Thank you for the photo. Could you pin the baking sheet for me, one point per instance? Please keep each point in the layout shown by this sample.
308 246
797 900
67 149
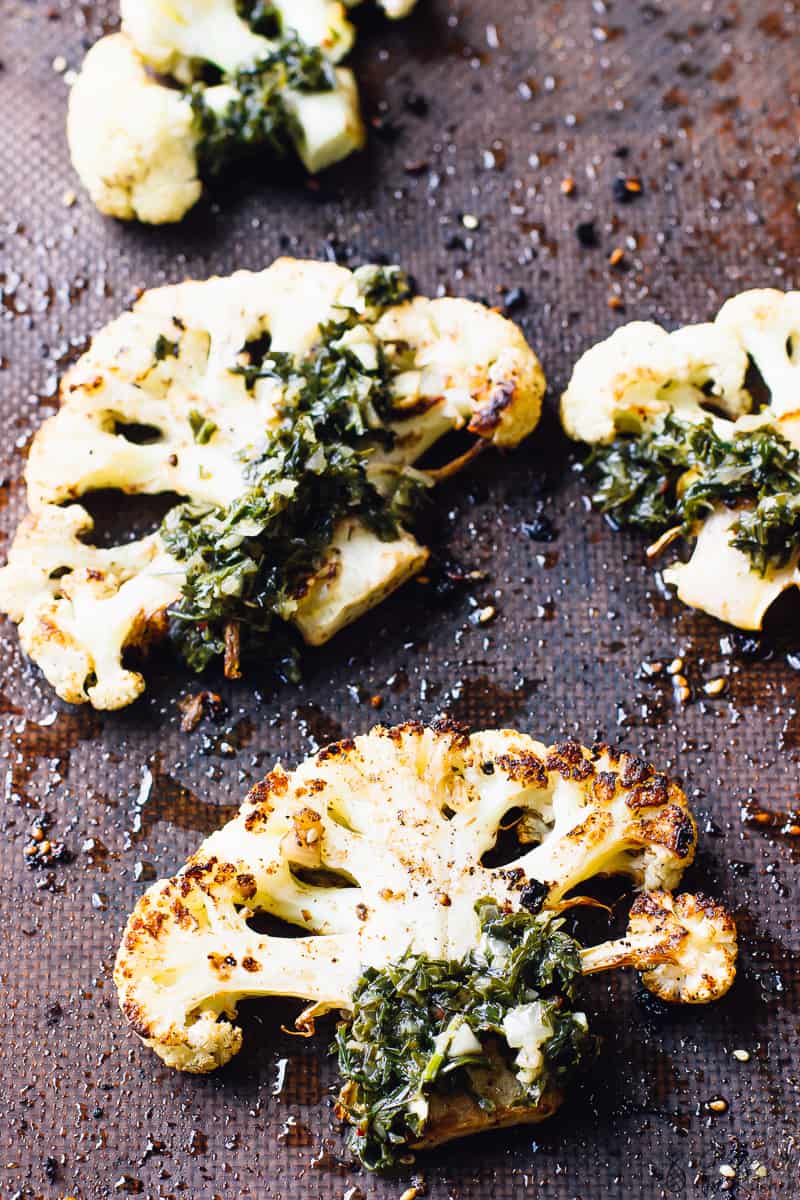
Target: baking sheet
477 109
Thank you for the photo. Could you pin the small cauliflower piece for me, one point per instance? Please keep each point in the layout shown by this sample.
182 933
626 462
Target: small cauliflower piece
80 607
173 366
600 813
359 571
140 145
326 126
684 946
629 383
403 817
133 141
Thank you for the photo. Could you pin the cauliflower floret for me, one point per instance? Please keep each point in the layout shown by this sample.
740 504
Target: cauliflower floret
685 947
172 365
600 813
403 817
765 323
135 142
169 34
132 140
79 607
479 363
624 384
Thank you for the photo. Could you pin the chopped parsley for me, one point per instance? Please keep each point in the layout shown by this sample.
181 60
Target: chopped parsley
676 474
402 1042
256 116
248 562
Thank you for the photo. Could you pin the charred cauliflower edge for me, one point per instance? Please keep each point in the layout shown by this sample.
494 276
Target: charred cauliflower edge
631 382
374 847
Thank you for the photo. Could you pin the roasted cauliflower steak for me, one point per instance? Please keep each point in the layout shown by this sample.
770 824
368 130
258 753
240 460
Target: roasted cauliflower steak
173 366
140 116
374 846
633 381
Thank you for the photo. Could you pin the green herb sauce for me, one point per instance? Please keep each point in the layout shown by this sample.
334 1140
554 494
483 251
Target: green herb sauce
245 563
642 481
257 118
392 1052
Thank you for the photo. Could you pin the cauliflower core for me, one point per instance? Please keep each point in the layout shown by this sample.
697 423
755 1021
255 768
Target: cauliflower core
140 146
375 847
631 382
174 365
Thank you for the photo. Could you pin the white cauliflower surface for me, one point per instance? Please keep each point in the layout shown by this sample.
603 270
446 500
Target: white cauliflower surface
172 366
685 946
630 382
138 143
374 847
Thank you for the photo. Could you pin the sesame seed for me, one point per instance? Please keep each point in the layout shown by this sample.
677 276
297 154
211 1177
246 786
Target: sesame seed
715 687
684 695
742 1055
469 222
718 1105
60 64
68 198
675 667
568 186
616 256
410 1194
487 614
312 835
680 681
653 668
727 1172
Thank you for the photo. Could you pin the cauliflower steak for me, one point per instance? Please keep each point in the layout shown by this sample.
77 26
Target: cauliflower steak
374 848
145 128
682 449
287 407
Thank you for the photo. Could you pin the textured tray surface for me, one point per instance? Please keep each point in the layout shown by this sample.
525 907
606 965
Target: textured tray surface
703 97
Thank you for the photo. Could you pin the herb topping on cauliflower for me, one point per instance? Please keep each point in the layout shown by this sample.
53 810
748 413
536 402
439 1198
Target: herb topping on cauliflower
679 449
288 408
375 848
